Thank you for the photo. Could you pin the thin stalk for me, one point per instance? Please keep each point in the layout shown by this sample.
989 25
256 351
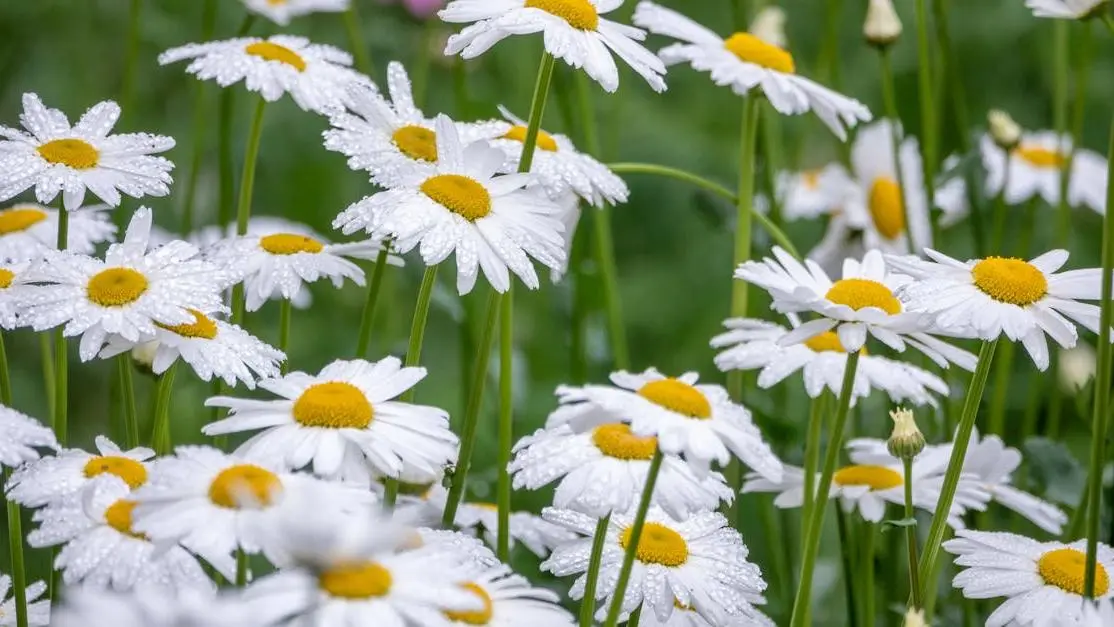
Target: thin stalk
816 414
356 39
1003 368
127 87
243 206
846 558
1078 115
927 565
588 603
208 25
241 568
5 378
46 355
582 289
632 542
866 565
285 311
160 433
15 547
952 81
810 547
911 536
890 99
744 203
1061 71
367 320
127 392
224 147
506 427
929 137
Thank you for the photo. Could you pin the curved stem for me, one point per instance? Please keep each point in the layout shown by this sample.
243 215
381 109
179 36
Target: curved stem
632 541
127 391
911 537
367 320
506 427
15 547
243 206
588 602
160 434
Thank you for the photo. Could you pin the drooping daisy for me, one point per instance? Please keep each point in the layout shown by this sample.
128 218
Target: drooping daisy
509 601
1024 300
128 294
27 229
744 62
700 563
53 156
316 76
344 421
153 607
282 11
55 478
1036 166
9 306
1043 581
991 462
1066 9
573 32
604 470
22 437
699 421
460 205
38 612
812 193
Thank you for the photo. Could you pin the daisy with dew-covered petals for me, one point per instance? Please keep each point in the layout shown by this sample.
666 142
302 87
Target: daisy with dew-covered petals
812 193
282 11
1036 165
22 437
1066 9
38 612
9 306
573 30
54 478
128 294
1024 300
343 421
153 607
744 62
1042 581
316 76
52 156
27 229
460 205
510 601
684 616
700 563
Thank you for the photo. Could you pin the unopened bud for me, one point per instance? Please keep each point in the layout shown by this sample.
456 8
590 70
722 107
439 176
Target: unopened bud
1077 368
769 26
1003 130
143 356
882 26
914 618
906 441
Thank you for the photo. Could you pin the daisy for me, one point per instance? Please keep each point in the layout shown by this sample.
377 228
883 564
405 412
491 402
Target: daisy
1043 581
883 205
510 601
685 616
460 205
343 421
9 306
700 563
951 194
989 297
316 76
991 462
743 62
699 421
1036 166
604 470
38 612
281 11
128 294
53 479
471 550
103 550
753 344
812 193
1066 9
53 156
27 229
22 436
573 32
152 607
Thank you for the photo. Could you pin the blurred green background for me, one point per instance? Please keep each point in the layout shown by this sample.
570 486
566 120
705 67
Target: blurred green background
673 244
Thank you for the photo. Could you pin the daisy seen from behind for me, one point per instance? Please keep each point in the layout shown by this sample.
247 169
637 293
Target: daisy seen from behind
58 477
1036 165
574 31
27 229
55 157
1066 9
282 11
745 62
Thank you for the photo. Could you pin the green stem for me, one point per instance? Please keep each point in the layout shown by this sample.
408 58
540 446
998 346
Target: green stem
927 565
243 206
588 603
285 311
952 80
929 136
367 320
160 433
506 426
911 536
744 202
46 355
15 547
127 88
127 392
5 378
810 548
356 39
200 124
817 411
846 554
61 384
1061 72
241 568
1003 368
632 542
224 157
890 99
866 553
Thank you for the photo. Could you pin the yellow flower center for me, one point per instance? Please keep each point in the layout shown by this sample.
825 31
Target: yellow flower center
416 142
1039 157
874 477
360 580
75 153
658 545
616 440
245 486
751 49
826 342
460 194
290 244
677 396
1009 280
545 140
861 293
333 405
475 617
811 179
119 517
578 13
19 219
201 327
116 287
6 278
132 472
887 208
1064 568
492 507
277 3
273 52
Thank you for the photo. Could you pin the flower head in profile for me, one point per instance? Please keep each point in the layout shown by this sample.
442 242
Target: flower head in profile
574 31
54 156
1066 9
27 229
812 193
1035 166
58 477
22 438
282 11
744 62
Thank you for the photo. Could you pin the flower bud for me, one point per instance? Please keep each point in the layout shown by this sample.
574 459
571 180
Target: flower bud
1077 368
1003 130
769 26
882 26
143 356
906 441
914 618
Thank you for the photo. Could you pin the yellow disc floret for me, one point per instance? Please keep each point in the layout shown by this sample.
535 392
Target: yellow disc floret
290 244
244 486
75 153
826 342
1064 568
119 517
616 440
887 208
116 287
416 142
462 195
19 219
360 580
874 477
545 140
678 396
333 405
658 545
474 617
578 13
132 472
751 49
202 327
1012 281
862 293
1040 157
6 278
274 52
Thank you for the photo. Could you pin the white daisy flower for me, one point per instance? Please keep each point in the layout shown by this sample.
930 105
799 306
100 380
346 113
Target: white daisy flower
53 156
951 194
882 208
38 612
1042 581
1098 614
282 11
812 193
699 421
53 479
22 436
744 62
994 296
700 563
152 607
129 293
992 462
510 601
1066 9
9 305
103 550
316 76
753 344
27 229
344 421
1036 166
460 205
469 549
573 32
604 470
